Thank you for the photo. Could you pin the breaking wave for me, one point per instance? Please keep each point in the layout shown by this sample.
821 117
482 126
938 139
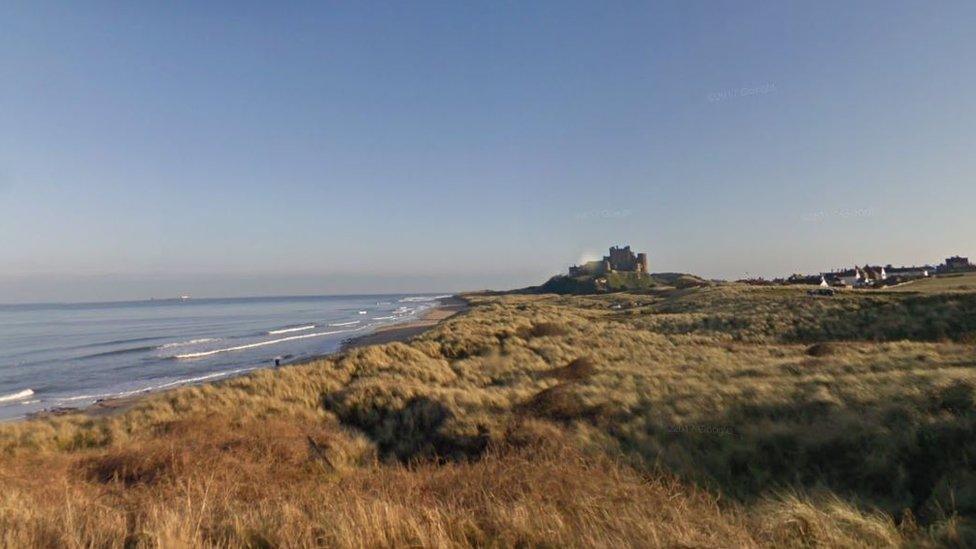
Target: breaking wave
289 330
344 323
123 394
423 299
186 343
20 395
198 378
258 344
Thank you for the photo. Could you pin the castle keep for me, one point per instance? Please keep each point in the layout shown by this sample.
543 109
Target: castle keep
619 260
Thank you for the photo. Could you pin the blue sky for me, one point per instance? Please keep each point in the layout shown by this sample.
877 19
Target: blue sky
236 148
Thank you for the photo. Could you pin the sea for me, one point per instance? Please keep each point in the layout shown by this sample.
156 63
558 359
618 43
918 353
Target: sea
55 356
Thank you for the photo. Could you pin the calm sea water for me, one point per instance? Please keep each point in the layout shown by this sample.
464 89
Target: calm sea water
73 355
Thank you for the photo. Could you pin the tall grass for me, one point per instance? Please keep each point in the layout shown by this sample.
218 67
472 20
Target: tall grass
672 417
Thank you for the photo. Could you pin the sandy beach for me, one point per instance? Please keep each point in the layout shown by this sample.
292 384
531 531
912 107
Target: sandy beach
401 332
445 309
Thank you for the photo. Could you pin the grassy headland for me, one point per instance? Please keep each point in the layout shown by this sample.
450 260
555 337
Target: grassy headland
617 281
949 282
722 415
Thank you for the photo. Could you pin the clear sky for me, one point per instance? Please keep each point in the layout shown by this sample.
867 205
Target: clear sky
238 148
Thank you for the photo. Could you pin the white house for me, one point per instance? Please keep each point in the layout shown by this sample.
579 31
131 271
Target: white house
850 277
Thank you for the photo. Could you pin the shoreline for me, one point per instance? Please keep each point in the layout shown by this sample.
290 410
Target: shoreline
445 309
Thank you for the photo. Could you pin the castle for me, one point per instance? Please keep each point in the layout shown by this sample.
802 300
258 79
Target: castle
620 259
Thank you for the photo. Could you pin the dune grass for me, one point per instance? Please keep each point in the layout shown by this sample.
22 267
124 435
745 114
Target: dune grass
725 415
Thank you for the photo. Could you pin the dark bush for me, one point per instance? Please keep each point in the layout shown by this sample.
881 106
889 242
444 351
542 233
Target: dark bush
543 329
579 369
822 349
559 402
958 398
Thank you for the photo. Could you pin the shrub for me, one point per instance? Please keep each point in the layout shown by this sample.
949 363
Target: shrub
544 329
822 349
579 369
559 402
958 398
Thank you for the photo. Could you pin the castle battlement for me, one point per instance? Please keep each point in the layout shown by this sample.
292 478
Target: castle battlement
619 260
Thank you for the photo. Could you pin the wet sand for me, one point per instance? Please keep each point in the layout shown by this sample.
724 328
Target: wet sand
404 331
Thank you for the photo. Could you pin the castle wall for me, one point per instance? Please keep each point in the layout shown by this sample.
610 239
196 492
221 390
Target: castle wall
620 259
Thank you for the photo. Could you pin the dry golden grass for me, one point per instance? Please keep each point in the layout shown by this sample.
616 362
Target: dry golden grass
205 481
674 417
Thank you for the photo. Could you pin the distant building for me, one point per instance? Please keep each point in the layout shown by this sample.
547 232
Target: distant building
858 276
909 272
813 280
958 264
619 260
874 274
849 277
